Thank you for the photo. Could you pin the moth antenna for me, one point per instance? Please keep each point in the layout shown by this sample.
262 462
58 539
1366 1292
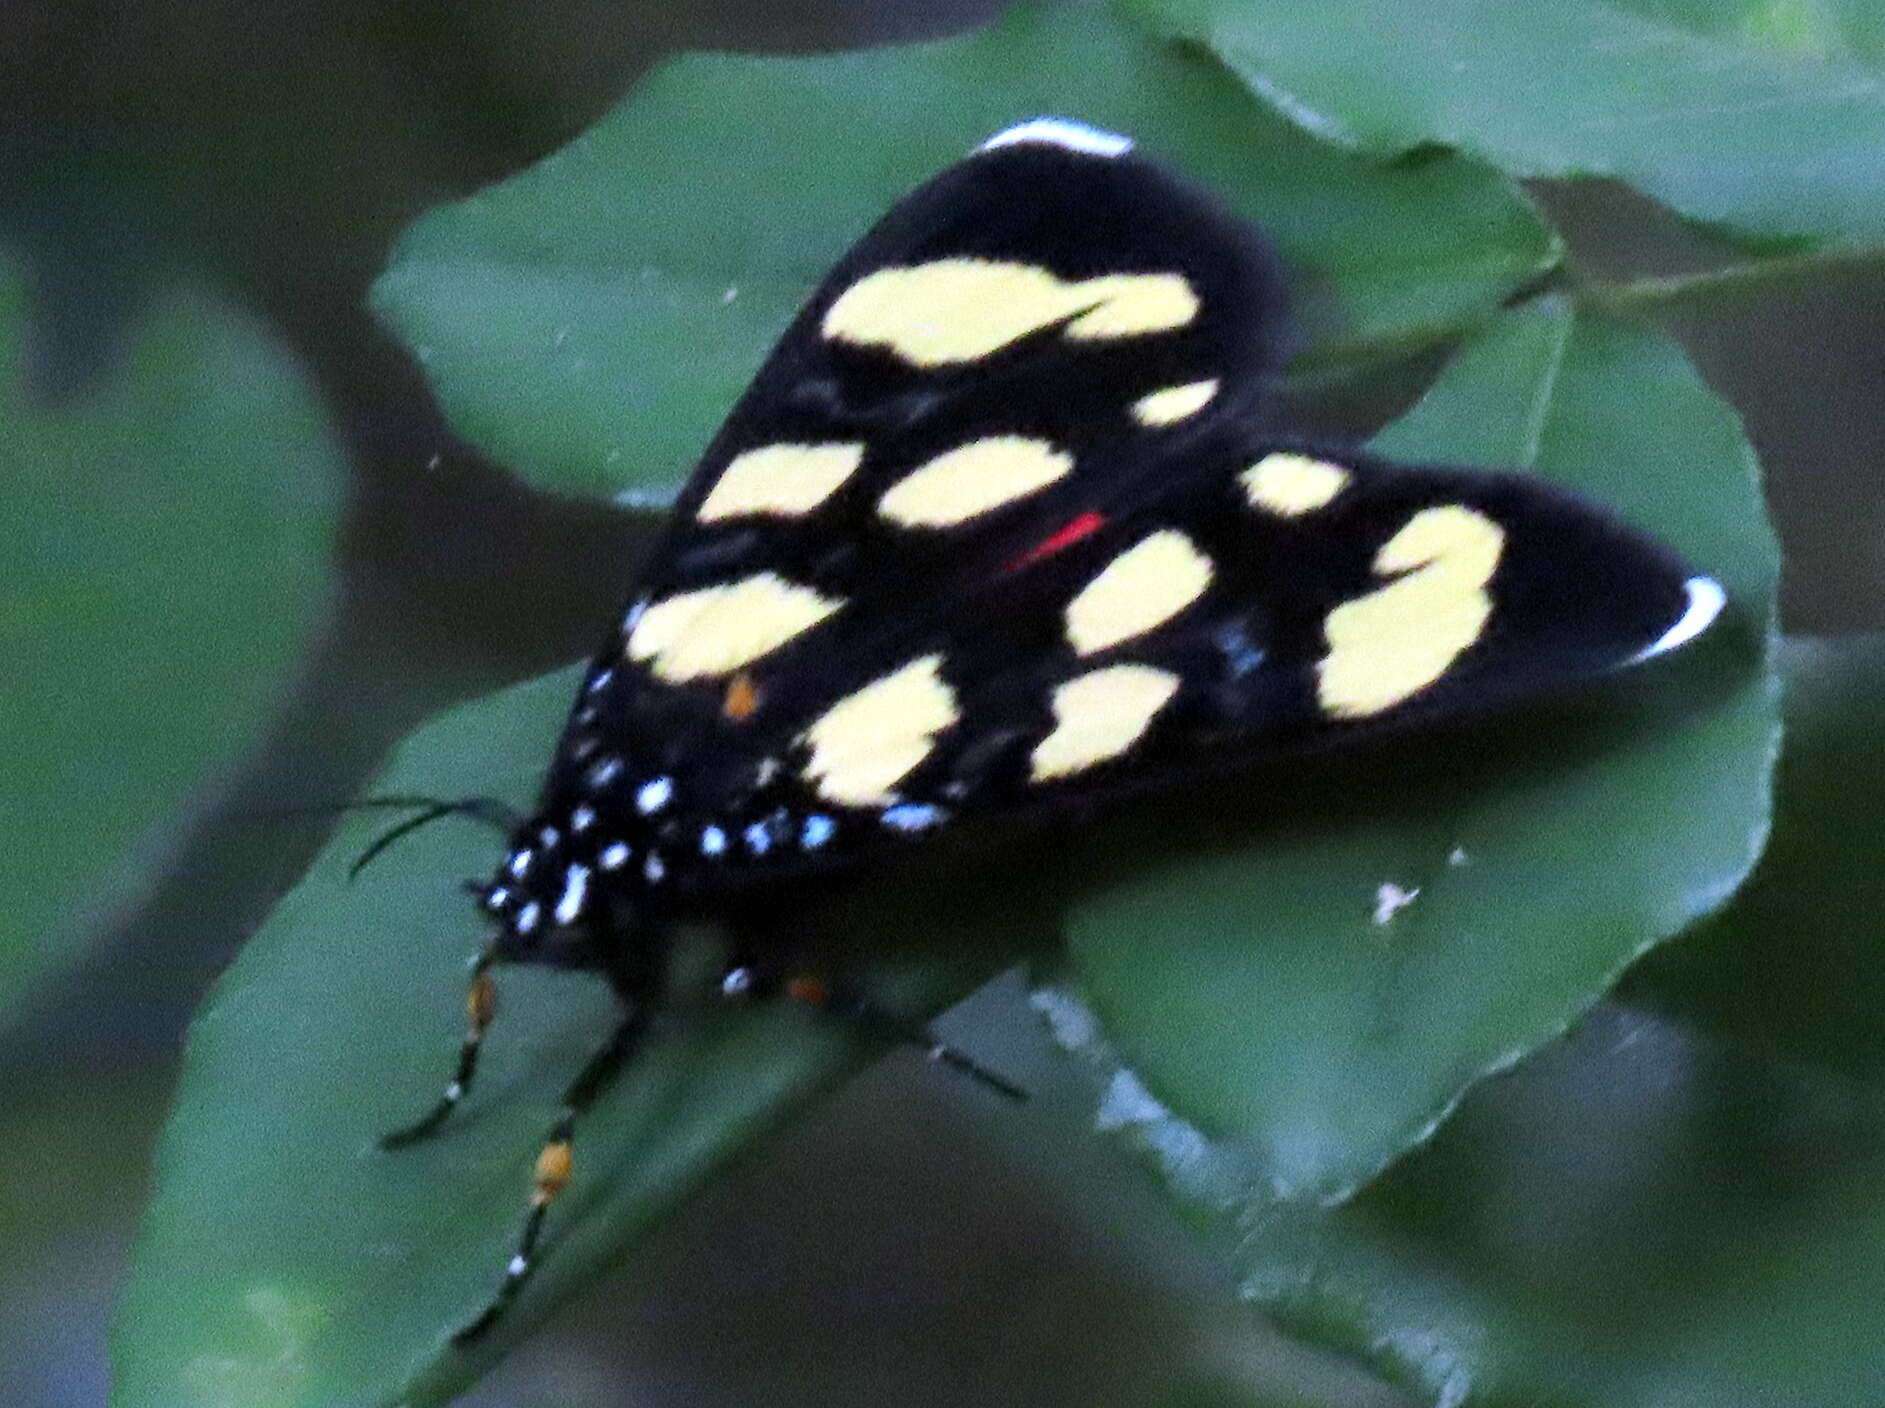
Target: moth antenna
487 809
493 813
497 814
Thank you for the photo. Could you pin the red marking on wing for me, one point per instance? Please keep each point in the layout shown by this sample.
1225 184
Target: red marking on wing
1083 525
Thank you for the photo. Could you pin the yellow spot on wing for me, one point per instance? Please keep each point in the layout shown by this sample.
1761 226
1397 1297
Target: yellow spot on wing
716 630
1174 403
972 479
1099 715
784 479
1392 643
959 310
867 742
1289 484
1145 586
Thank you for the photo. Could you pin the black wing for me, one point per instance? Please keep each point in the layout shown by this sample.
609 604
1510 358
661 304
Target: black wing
1036 318
997 525
1269 594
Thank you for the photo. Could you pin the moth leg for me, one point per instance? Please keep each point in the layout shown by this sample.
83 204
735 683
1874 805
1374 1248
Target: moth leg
855 1008
480 1007
555 1161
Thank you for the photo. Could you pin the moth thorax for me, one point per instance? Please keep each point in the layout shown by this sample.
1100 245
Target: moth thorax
549 893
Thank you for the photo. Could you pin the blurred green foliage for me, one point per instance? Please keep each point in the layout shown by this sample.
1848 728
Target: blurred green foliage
167 556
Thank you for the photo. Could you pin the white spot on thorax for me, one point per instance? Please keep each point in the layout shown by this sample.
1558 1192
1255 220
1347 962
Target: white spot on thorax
582 818
614 856
713 841
653 795
575 891
520 863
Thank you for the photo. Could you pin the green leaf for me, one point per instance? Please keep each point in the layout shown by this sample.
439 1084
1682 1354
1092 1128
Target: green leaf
1804 932
1261 991
1683 1207
287 1260
1651 1212
590 322
165 557
1639 1216
1760 137
1833 29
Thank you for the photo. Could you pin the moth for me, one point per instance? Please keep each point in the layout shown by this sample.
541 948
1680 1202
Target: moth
999 530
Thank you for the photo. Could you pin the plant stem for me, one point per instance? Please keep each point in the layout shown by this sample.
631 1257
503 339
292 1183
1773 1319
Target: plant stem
1753 274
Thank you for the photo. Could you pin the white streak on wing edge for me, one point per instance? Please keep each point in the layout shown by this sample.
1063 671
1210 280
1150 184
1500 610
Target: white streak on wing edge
1061 132
1706 598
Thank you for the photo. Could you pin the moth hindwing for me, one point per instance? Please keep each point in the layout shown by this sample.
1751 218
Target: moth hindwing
999 526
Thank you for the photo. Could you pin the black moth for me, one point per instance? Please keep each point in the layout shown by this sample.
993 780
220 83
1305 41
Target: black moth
996 530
